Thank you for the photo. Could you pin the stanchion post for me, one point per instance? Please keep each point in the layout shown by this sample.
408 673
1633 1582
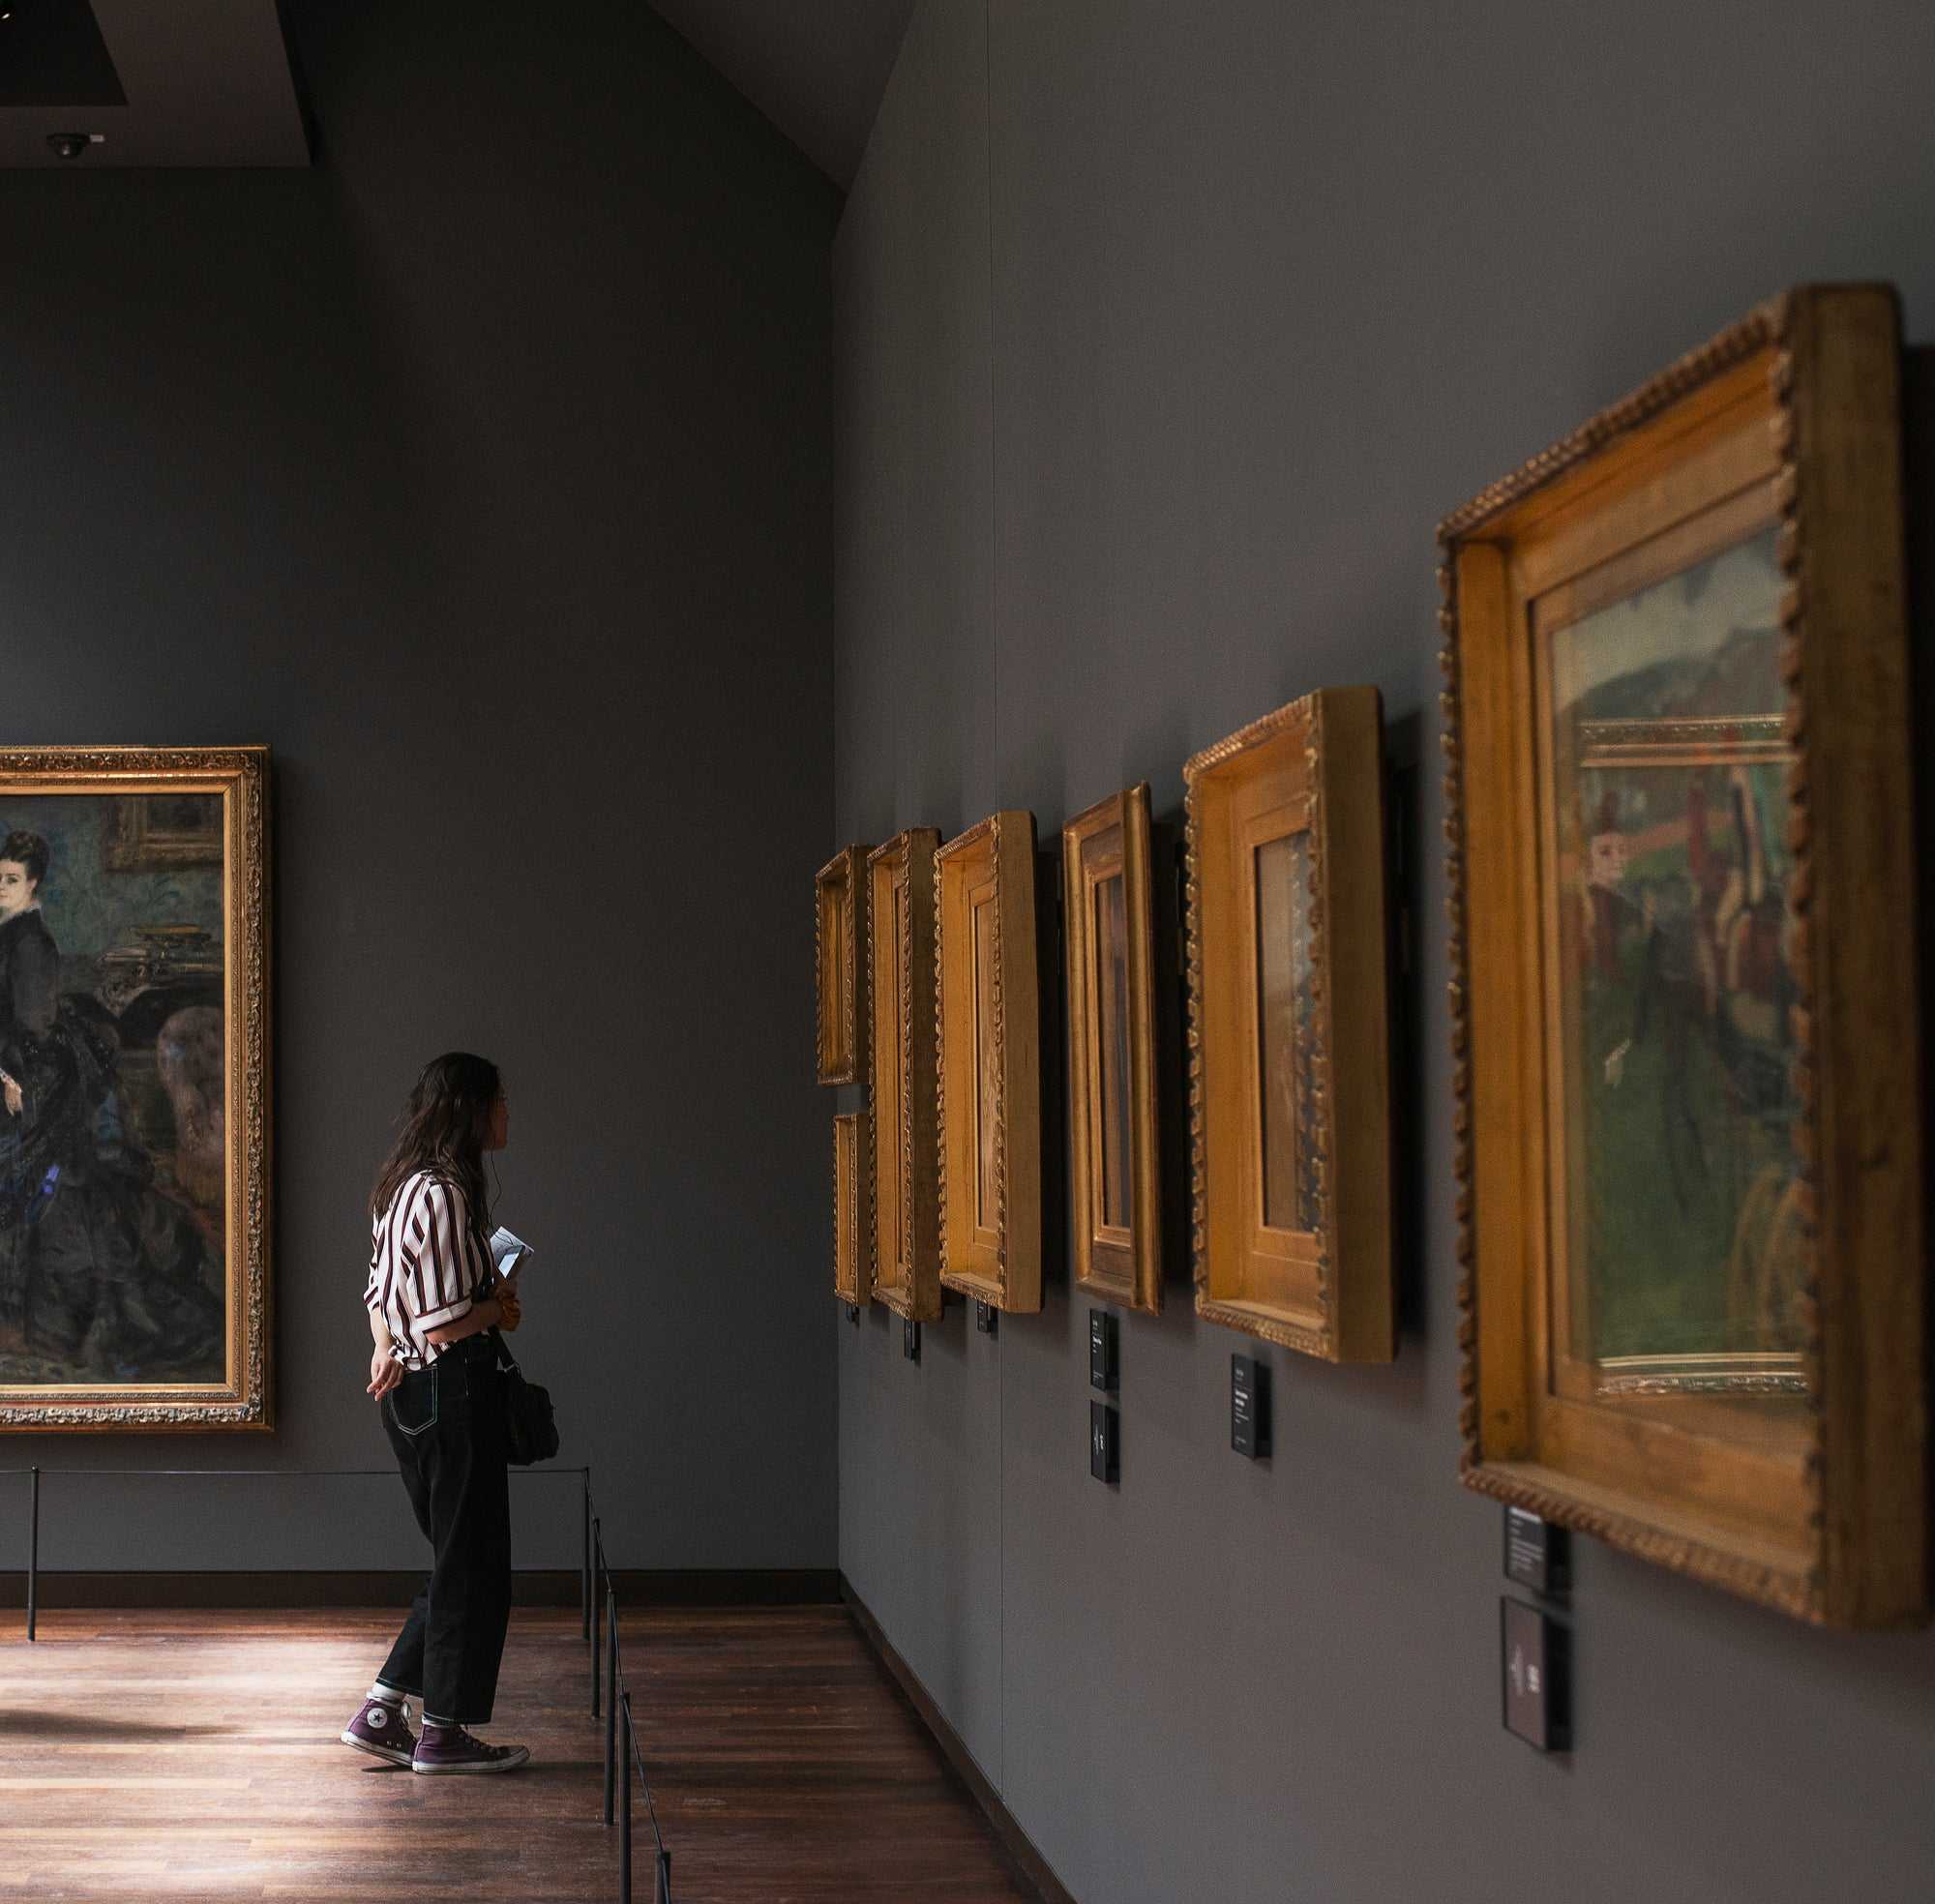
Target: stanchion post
598 1546
34 1552
610 1695
585 1576
625 1812
665 1877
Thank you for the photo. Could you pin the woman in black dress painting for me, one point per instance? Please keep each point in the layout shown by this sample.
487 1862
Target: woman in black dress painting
96 1272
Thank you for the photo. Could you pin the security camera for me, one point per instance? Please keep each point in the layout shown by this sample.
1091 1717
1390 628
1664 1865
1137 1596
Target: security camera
68 145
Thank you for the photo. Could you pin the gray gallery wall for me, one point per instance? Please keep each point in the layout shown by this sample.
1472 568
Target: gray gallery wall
1164 335
484 471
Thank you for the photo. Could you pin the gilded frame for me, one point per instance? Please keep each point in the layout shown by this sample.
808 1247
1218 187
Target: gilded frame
244 1399
988 1033
1792 420
899 966
852 1209
840 969
1302 791
1116 1261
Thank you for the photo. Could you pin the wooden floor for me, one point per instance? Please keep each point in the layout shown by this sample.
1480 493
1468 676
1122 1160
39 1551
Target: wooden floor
194 1756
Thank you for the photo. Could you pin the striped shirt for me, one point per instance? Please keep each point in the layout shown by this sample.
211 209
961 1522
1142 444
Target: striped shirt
427 1265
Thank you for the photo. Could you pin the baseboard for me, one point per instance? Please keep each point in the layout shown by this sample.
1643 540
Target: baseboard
1029 1865
662 1586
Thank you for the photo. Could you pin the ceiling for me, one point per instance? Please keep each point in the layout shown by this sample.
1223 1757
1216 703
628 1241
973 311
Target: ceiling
148 82
816 68
208 82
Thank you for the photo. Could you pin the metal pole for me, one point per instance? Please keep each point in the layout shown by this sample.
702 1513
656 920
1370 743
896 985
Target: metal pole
665 1877
585 1576
610 1695
625 1813
598 1540
34 1553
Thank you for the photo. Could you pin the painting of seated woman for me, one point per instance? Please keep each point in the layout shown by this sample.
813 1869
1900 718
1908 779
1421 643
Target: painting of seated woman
133 1206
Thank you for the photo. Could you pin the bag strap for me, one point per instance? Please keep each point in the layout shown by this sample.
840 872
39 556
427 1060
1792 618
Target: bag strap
496 1335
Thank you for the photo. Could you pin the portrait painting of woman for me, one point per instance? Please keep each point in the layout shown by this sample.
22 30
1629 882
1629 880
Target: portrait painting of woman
132 1059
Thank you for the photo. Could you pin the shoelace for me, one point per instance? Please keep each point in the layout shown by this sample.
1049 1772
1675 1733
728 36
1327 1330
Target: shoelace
465 1741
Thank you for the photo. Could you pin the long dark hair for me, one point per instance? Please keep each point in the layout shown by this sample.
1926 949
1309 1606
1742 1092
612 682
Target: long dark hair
446 1121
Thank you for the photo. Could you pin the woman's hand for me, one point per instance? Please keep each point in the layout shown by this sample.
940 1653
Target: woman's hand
509 1311
12 1085
385 1371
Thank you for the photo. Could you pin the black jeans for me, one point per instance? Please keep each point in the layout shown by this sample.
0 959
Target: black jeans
446 1423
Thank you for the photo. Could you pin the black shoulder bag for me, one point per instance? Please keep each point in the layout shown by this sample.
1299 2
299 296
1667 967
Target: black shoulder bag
530 1430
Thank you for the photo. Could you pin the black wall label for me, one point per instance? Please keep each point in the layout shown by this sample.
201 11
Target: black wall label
1105 1438
1537 1554
911 1341
1102 1370
1536 1681
985 1317
1249 1405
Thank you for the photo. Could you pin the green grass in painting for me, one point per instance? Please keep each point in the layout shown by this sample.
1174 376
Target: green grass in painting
1662 1203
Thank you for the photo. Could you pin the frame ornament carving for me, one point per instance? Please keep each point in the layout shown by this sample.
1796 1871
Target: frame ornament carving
1121 1263
1802 396
899 966
1309 773
989 1065
244 1399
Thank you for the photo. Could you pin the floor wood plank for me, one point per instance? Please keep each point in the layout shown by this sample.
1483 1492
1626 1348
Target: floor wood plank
191 1756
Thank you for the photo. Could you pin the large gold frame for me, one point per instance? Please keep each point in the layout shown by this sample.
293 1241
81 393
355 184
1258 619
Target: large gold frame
240 776
1119 1262
1310 773
900 962
1789 422
988 1029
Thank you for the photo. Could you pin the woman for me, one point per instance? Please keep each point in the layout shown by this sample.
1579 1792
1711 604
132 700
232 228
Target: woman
99 1270
432 1296
36 1073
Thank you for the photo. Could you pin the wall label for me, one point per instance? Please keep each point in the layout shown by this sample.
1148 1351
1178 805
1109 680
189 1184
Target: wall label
1536 1681
1105 1438
1249 1407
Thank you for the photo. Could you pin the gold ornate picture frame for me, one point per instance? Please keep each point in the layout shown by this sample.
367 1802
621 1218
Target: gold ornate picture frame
1289 1046
839 968
900 964
1109 949
1684 1011
134 1062
852 1209
988 1027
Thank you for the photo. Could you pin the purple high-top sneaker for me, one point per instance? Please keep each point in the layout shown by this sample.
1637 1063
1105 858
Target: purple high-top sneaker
449 1749
382 1729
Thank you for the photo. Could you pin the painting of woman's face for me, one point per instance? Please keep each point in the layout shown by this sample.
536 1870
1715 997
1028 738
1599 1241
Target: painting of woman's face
17 889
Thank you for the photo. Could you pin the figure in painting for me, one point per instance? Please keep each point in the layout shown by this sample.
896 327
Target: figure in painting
99 1272
1713 980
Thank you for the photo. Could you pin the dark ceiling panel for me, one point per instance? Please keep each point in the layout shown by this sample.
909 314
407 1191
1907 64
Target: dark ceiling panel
51 53
817 71
206 82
